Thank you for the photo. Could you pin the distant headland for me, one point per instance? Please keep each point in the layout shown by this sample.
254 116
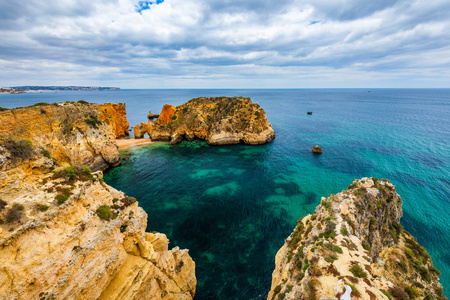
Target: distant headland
28 88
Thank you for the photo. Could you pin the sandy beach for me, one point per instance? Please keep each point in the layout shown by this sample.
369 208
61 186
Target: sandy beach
127 143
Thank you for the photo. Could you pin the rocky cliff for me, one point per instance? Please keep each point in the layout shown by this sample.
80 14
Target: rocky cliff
355 238
64 233
218 121
81 134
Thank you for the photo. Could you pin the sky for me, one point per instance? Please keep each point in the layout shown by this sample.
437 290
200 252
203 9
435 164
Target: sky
226 43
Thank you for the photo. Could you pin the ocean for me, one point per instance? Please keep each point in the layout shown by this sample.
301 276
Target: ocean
233 206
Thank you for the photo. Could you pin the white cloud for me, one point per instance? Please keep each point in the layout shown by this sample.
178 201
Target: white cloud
224 43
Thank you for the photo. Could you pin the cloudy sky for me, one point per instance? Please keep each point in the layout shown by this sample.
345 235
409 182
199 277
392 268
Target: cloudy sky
225 43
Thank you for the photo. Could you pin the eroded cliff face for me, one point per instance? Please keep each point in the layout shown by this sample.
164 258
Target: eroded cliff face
115 115
218 121
355 238
80 134
64 233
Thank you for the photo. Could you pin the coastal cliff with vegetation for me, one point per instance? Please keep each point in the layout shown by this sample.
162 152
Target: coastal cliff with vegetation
64 233
355 237
82 134
218 121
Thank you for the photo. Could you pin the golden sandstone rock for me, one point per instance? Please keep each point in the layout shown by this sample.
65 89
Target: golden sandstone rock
218 121
80 134
64 233
354 237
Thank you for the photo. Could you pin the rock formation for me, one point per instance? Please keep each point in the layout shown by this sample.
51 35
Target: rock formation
317 149
355 238
80 134
64 233
115 115
218 121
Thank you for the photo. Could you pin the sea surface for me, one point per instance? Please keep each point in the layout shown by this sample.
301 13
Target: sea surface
233 206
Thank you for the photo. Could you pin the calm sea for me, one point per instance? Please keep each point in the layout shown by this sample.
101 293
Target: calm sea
233 206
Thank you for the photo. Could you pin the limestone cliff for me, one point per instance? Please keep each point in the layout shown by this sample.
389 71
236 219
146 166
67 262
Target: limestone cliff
355 238
115 115
80 134
218 121
64 233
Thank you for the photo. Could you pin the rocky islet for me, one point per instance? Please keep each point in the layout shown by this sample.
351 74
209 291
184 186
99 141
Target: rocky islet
217 120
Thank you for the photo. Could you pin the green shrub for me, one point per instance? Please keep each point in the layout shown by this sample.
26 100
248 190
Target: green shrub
398 293
333 247
412 292
71 173
61 198
127 201
14 213
82 102
174 117
277 290
41 104
366 245
104 212
42 207
435 271
3 109
93 121
358 271
46 153
387 294
344 231
19 148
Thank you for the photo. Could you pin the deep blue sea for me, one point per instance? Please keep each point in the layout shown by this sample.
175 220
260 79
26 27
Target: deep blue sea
233 206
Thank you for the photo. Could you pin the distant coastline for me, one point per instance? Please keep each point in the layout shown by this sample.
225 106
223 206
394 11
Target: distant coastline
32 88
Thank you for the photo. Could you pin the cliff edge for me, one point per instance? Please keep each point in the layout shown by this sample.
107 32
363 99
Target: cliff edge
64 233
82 134
355 238
218 121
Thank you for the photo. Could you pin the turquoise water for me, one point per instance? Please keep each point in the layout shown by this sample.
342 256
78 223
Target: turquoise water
232 206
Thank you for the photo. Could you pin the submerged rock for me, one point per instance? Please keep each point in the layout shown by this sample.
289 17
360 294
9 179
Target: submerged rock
218 121
317 149
355 237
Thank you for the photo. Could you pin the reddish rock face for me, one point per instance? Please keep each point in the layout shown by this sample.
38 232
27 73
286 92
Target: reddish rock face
115 115
166 114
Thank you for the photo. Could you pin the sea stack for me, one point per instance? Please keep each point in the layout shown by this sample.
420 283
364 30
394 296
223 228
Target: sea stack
218 121
355 237
317 149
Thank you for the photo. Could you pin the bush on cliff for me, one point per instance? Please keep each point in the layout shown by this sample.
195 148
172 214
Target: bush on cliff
358 271
46 153
71 173
14 213
41 104
93 121
20 149
104 212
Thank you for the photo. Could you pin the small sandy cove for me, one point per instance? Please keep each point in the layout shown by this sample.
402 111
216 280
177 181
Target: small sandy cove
127 143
